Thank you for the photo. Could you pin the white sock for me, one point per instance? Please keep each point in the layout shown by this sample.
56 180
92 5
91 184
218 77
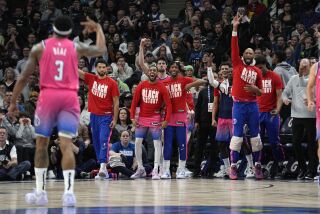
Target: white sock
226 162
103 167
250 160
166 165
182 164
138 151
41 175
157 153
68 176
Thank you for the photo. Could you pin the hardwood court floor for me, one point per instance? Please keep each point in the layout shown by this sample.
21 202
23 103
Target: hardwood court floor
174 196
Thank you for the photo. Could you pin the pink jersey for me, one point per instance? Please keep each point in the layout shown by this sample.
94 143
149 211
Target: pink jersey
59 64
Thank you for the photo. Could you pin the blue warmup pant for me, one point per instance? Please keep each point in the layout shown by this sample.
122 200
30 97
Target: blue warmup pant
181 134
245 113
101 135
271 124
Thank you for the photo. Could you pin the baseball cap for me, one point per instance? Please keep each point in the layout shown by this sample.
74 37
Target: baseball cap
188 67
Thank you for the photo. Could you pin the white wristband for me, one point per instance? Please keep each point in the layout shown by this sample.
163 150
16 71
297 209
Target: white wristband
234 33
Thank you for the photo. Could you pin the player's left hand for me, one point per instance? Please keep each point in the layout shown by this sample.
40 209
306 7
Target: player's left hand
274 112
251 88
311 105
112 124
164 124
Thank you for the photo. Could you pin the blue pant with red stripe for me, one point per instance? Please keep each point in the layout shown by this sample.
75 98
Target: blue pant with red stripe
181 135
101 133
271 124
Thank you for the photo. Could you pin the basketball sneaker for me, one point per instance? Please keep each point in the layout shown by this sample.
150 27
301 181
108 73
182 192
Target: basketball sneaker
188 173
250 172
222 172
155 174
102 175
258 171
37 198
233 172
69 200
140 173
181 173
166 175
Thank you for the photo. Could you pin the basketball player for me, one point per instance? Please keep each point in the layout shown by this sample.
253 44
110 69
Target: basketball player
58 103
177 86
314 81
103 103
246 86
150 94
270 103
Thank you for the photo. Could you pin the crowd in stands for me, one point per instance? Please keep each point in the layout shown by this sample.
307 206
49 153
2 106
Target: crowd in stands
284 31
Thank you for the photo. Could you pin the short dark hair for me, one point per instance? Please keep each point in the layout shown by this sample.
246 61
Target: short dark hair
63 23
281 56
102 61
225 63
261 60
162 59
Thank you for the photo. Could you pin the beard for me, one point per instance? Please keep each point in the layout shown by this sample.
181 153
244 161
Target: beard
248 61
101 74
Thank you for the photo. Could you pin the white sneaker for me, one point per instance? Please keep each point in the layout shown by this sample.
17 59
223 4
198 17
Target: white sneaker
181 174
102 175
155 174
222 172
249 172
140 173
51 175
166 175
188 173
40 199
160 170
69 200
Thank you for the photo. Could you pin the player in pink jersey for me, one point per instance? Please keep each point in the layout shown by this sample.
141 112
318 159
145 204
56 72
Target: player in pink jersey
314 81
58 103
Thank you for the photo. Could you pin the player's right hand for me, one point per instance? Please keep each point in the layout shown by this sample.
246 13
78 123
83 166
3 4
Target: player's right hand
134 123
90 26
214 123
143 41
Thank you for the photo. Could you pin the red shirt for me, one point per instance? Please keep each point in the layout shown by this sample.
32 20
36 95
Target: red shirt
101 93
178 93
270 83
243 75
150 97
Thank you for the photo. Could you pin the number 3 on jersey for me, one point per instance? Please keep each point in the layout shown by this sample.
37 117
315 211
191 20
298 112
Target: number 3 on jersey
60 65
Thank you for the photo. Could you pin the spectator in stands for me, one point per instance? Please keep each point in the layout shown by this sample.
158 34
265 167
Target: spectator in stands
121 69
10 169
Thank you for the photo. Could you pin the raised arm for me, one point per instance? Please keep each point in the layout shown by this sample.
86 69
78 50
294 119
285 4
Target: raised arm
195 83
310 87
141 57
92 50
235 53
23 78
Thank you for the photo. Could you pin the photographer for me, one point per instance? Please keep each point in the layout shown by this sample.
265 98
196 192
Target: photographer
9 167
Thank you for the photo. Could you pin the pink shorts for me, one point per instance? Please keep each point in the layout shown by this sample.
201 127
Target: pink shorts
178 119
154 121
57 107
318 122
